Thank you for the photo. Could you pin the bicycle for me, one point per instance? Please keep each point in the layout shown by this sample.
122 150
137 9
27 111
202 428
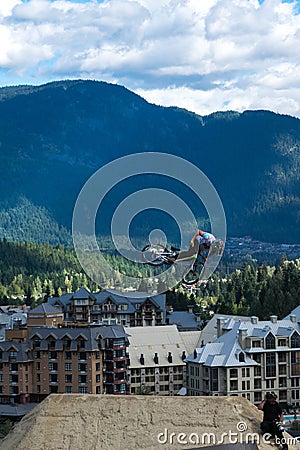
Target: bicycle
157 255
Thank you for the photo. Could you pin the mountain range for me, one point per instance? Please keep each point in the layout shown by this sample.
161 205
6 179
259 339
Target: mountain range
53 137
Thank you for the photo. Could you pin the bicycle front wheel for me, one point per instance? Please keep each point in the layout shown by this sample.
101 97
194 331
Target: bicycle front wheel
153 254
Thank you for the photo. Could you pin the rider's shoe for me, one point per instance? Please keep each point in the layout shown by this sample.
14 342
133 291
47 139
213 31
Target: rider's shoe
174 249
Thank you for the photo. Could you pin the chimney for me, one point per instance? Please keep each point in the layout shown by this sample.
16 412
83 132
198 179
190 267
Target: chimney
293 318
170 359
273 318
195 354
220 323
142 359
198 317
254 319
242 336
190 308
183 356
155 358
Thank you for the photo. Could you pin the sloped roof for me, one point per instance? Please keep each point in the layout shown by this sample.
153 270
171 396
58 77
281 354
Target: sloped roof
44 308
83 293
151 340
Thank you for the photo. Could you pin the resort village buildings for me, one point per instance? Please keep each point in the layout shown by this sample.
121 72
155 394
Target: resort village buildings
111 343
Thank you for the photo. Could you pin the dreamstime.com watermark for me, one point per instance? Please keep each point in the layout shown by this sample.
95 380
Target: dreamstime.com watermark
241 435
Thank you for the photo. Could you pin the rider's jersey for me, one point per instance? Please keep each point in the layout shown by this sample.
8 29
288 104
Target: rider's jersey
206 238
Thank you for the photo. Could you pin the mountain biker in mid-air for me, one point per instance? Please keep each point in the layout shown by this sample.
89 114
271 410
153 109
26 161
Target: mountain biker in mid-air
200 243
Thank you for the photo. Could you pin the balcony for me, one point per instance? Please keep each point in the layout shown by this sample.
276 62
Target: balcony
119 369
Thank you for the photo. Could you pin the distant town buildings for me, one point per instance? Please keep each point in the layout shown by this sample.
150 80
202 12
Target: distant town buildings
108 343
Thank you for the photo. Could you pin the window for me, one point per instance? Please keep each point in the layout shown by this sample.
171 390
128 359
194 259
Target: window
233 385
38 377
282 357
270 365
82 379
97 355
52 355
68 366
1 378
295 340
245 372
295 363
13 367
68 390
98 389
81 343
281 342
68 355
270 341
282 370
1 366
13 378
82 367
257 397
38 388
98 378
37 355
256 343
257 371
97 367
214 380
53 389
282 382
68 378
245 385
233 373
52 367
13 390
241 357
83 390
257 383
38 366
82 356
295 382
53 378
13 355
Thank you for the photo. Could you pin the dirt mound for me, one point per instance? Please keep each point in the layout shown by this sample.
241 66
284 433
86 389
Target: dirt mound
94 422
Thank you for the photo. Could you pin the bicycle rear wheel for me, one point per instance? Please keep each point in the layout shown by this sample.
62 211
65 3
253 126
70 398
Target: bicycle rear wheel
152 254
193 274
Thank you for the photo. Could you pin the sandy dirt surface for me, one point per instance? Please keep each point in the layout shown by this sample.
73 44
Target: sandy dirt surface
95 422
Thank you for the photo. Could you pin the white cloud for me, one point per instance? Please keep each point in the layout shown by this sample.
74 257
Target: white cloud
202 55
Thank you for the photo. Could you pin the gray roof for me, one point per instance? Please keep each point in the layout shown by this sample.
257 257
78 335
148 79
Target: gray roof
45 308
183 320
14 410
20 348
90 334
151 340
209 332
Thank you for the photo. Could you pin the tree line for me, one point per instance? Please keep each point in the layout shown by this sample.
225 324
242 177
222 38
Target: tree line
31 272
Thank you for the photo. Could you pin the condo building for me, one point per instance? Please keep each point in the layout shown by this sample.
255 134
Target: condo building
90 360
157 359
111 308
249 358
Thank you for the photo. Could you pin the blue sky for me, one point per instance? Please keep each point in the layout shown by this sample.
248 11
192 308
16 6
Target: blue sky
203 55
